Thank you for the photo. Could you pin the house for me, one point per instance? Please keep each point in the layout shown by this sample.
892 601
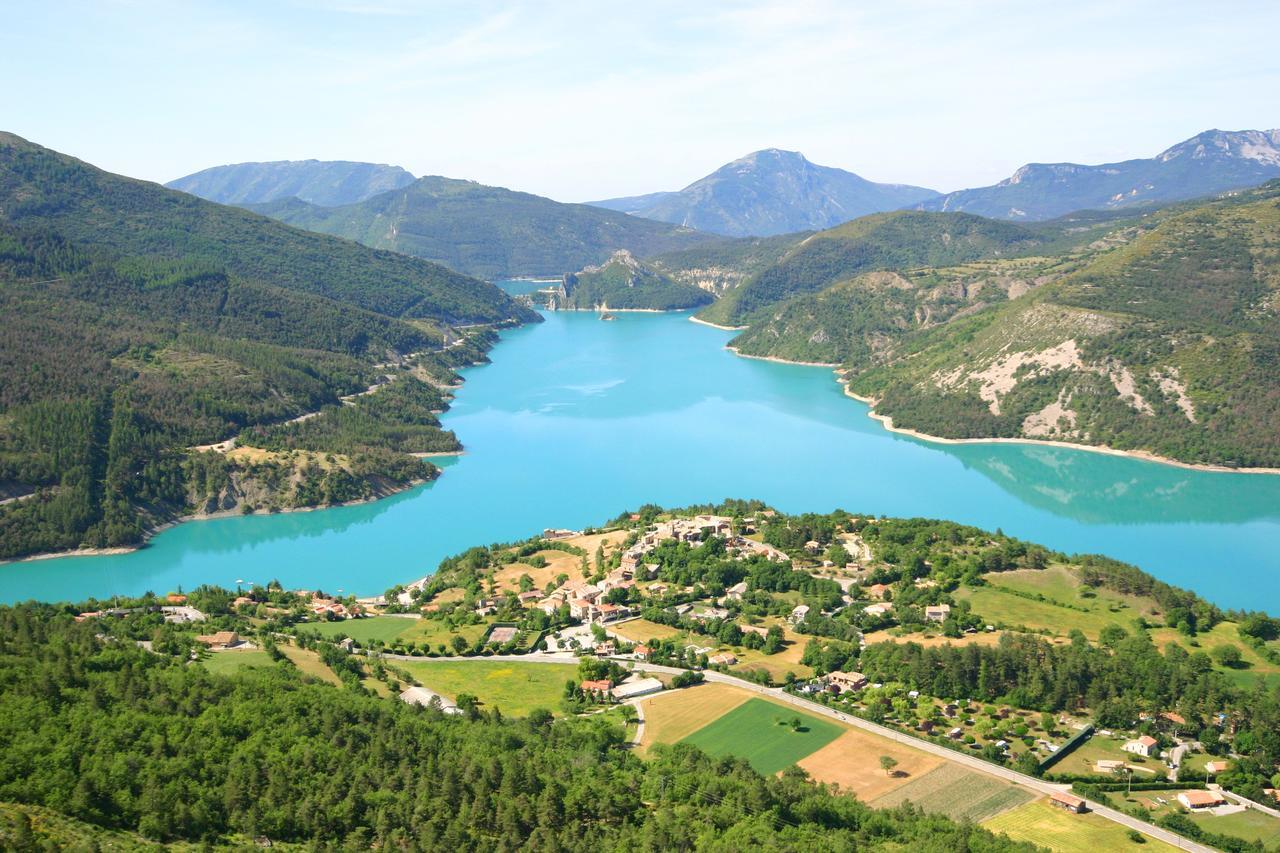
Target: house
1175 718
956 733
937 612
605 649
709 613
485 606
581 609
735 592
799 613
600 686
755 629
176 598
813 546
723 659
610 612
181 614
220 640
1144 746
549 605
529 597
877 591
842 682
1193 800
631 561
878 609
1216 767
558 533
642 652
1066 802
243 601
640 687
658 589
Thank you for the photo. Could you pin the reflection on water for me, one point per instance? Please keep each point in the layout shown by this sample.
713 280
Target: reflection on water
576 419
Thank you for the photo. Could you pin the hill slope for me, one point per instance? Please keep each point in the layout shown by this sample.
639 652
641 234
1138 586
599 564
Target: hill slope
324 182
770 192
1162 338
883 241
1211 162
171 322
626 283
487 231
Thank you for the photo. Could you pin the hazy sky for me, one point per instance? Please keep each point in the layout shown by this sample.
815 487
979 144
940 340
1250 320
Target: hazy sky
594 99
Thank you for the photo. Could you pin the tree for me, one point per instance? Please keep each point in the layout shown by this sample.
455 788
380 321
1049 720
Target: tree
887 763
1229 656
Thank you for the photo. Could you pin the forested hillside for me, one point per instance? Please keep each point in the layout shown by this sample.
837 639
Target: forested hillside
122 738
626 283
153 334
885 241
325 182
1161 336
488 231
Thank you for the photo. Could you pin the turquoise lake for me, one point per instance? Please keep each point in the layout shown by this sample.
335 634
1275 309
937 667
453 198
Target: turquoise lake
577 419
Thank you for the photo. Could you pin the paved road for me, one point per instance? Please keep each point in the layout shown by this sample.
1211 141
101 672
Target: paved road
970 761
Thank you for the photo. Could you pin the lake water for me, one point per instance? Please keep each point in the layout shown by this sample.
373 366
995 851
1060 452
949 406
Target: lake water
577 419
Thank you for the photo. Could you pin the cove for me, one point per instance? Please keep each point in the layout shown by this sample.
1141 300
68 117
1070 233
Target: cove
577 419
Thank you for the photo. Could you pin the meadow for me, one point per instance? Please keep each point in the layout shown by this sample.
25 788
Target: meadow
762 732
1041 824
514 688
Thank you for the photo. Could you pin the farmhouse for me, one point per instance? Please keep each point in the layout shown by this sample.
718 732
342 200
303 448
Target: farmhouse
937 612
723 659
220 640
600 686
1145 746
1193 800
1066 802
842 682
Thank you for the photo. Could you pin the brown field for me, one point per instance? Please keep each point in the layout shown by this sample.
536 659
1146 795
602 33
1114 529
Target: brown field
982 638
309 663
671 716
852 761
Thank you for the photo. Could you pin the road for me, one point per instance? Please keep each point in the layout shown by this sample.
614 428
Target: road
971 762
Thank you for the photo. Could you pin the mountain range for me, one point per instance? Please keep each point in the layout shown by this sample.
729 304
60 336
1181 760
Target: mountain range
327 183
487 231
1210 162
770 192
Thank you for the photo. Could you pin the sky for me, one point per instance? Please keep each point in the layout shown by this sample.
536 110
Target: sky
589 100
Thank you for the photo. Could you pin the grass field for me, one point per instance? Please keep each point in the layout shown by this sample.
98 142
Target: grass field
384 628
1103 748
642 630
1251 825
1223 634
760 732
309 663
234 661
852 761
515 688
957 793
1041 824
670 717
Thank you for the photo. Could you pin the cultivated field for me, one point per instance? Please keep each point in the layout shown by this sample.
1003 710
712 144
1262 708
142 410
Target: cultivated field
761 732
670 717
852 761
515 688
958 793
232 661
1041 824
384 628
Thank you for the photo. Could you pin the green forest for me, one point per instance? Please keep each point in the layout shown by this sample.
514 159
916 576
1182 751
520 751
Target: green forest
126 739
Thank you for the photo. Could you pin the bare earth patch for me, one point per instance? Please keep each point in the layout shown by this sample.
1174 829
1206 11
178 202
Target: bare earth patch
852 761
673 716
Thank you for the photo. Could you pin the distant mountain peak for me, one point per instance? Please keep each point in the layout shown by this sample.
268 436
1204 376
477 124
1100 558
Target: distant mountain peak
1210 162
767 192
328 183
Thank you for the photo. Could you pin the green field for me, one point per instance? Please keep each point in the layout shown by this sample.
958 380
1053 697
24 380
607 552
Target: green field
1061 611
1043 825
760 732
957 793
515 688
384 628
234 661
1250 825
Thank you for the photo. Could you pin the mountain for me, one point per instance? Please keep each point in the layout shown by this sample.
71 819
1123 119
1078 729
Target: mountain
485 231
143 325
882 241
770 192
623 282
323 182
1209 163
1160 337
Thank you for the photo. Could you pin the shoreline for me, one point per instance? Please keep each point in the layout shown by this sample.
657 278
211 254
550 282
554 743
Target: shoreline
887 423
693 319
157 529
618 310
